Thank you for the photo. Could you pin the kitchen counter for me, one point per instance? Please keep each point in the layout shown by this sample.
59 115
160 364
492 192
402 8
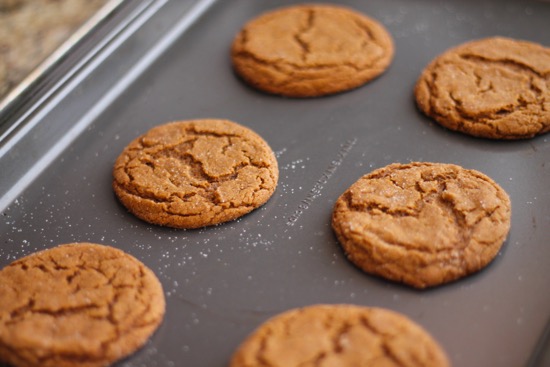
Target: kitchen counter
31 30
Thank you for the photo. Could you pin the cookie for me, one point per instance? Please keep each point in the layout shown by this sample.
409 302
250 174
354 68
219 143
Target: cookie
339 335
496 88
311 50
191 174
422 224
82 304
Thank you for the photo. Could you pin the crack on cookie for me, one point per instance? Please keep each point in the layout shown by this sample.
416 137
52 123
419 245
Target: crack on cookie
460 221
430 80
378 208
276 65
337 340
368 32
137 321
24 312
290 70
260 354
71 277
282 66
479 83
371 66
363 320
17 314
389 354
199 131
298 37
199 178
229 144
372 37
506 62
318 359
243 38
488 117
533 81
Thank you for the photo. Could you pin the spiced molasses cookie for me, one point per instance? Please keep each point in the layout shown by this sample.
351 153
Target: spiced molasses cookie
422 224
82 305
311 50
497 88
339 335
191 174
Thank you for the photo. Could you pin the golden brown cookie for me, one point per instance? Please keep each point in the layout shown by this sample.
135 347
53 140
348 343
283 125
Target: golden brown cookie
191 174
82 305
422 224
311 50
496 88
339 335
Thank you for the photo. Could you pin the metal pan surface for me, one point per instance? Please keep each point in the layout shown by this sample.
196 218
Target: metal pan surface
173 63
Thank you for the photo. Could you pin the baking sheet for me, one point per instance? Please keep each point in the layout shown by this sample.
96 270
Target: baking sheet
222 282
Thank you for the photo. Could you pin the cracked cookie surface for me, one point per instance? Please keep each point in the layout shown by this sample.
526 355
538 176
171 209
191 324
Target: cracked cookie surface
311 50
191 174
422 224
497 88
339 335
79 304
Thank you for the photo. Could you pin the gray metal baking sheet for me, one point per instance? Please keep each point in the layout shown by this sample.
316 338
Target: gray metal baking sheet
222 282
